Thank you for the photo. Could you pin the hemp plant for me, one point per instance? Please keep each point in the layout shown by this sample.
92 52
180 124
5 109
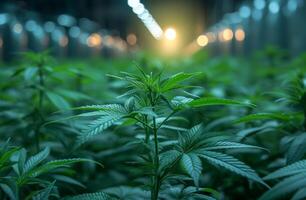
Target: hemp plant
32 106
153 107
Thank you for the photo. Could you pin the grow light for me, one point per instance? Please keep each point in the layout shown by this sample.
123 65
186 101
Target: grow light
94 40
17 28
202 40
259 4
227 34
239 34
170 34
145 16
131 39
3 18
274 7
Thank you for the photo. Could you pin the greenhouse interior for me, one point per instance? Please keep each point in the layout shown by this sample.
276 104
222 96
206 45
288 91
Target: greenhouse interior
153 99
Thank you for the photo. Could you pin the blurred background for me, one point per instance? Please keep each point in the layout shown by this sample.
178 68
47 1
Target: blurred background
108 28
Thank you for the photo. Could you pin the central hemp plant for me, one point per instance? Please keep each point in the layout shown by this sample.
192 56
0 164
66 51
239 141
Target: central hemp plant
152 105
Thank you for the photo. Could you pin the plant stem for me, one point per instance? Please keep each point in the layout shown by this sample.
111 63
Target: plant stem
304 124
156 178
41 84
303 102
147 131
165 120
40 105
156 163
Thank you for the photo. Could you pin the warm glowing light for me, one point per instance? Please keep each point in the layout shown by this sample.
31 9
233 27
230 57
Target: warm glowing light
227 34
170 34
239 35
202 40
63 41
131 39
94 40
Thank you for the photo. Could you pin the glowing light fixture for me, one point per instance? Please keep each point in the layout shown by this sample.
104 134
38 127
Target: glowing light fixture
49 27
131 39
245 11
74 32
239 34
292 5
139 9
63 42
274 7
30 25
259 4
39 32
133 3
202 40
57 34
170 34
66 20
227 34
94 40
145 16
17 28
3 18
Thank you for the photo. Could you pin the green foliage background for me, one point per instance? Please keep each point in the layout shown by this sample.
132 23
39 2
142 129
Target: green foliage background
144 127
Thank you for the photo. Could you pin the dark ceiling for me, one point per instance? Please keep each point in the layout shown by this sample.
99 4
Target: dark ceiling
191 17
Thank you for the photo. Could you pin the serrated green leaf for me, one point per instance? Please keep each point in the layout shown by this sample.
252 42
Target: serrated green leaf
174 81
55 164
8 191
29 72
91 196
180 101
4 158
285 187
300 194
188 138
58 101
98 126
222 145
211 101
230 163
175 128
295 168
69 180
21 160
193 166
45 193
168 158
106 107
35 160
297 148
263 116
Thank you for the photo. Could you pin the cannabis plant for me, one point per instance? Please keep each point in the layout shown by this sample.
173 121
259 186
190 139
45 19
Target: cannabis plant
33 177
293 183
170 154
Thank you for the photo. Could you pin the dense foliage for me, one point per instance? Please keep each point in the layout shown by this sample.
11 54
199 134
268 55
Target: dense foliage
148 128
